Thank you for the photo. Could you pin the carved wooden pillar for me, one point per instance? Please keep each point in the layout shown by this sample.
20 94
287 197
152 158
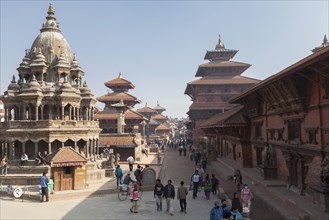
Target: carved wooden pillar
62 113
288 157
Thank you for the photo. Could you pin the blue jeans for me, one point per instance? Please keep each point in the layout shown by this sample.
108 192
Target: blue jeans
158 199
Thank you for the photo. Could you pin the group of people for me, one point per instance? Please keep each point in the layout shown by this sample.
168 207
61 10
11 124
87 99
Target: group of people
167 193
240 206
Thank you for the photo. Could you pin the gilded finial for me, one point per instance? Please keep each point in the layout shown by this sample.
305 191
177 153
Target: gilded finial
220 44
51 9
120 76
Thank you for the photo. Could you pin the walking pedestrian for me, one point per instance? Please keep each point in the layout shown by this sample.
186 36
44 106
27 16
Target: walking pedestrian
4 164
138 175
134 199
180 149
118 175
236 214
158 193
207 187
216 213
44 187
236 201
195 181
169 195
246 196
181 195
131 161
237 179
215 183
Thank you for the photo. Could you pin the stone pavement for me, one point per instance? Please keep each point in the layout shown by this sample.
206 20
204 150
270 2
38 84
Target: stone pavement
273 192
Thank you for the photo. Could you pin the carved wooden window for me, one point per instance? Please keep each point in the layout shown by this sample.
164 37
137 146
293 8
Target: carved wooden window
294 133
280 134
326 89
258 130
271 134
312 136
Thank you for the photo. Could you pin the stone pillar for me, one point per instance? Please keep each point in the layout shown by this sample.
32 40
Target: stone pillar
10 149
76 146
78 114
35 150
49 147
23 147
87 149
41 110
63 144
36 113
70 113
62 113
97 148
74 113
6 114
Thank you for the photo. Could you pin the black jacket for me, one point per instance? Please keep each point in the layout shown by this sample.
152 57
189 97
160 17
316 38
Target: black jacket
169 191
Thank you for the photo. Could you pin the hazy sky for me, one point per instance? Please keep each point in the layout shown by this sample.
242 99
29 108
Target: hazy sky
158 45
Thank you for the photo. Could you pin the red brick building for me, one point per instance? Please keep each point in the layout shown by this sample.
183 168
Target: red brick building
220 80
283 128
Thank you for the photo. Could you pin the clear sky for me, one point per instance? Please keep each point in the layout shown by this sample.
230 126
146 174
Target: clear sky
158 45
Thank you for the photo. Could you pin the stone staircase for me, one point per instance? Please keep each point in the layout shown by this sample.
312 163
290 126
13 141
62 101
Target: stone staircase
29 174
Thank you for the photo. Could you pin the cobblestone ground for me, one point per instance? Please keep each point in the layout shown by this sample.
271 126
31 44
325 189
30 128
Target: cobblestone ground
108 206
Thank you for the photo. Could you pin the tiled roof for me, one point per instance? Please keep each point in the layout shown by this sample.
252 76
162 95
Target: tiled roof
219 63
232 117
65 156
129 114
224 81
119 82
162 127
117 97
146 109
159 117
117 141
322 54
210 105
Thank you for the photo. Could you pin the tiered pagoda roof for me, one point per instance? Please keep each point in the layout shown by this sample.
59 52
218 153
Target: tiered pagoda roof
120 87
159 108
220 77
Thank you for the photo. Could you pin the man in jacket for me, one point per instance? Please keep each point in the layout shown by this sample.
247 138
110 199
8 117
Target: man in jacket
158 192
169 195
181 195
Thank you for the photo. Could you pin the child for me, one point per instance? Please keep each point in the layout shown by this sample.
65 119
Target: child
236 214
134 198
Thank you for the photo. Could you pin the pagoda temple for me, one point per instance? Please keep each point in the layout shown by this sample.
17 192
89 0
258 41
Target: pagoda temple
118 121
109 116
220 80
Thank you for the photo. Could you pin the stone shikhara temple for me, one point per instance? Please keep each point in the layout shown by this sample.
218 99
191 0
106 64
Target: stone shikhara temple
48 106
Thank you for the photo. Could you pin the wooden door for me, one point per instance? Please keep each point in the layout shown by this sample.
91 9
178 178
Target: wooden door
57 176
67 178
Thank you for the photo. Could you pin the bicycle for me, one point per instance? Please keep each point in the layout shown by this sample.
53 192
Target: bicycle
124 192
18 192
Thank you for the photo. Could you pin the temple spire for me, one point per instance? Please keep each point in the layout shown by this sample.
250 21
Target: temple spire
51 9
220 44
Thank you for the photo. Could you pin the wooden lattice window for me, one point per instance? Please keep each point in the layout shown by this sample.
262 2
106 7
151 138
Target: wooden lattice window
294 133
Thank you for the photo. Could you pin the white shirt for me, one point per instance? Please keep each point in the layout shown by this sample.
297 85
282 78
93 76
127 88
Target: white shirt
130 160
195 178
